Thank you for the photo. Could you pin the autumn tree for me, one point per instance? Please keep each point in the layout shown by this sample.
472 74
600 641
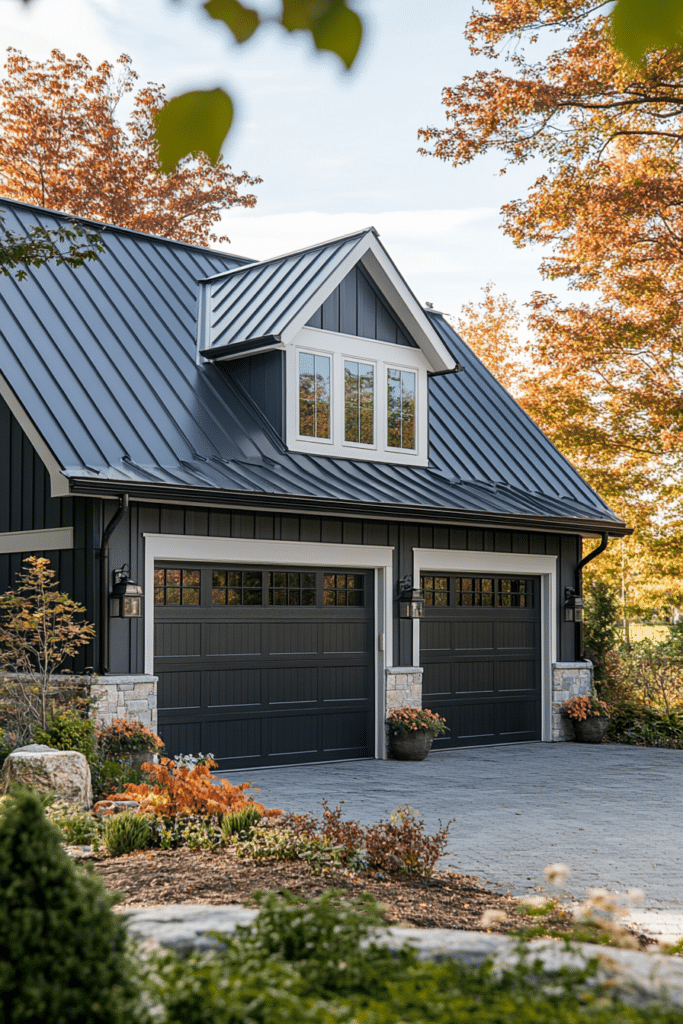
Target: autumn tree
62 146
608 209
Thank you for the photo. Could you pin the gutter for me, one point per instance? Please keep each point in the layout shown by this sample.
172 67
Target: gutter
104 582
212 497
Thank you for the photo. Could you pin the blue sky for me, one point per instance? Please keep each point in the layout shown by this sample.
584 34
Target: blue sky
336 151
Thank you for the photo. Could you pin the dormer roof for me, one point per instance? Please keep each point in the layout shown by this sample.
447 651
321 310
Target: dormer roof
264 305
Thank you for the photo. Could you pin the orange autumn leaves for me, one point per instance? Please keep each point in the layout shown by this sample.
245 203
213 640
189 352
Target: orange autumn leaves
62 146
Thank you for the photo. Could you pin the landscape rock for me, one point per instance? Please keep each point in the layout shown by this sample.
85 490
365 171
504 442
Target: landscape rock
103 808
45 770
638 978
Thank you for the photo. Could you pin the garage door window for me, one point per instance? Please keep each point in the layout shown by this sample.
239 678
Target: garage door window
177 586
291 588
236 587
484 592
343 589
436 590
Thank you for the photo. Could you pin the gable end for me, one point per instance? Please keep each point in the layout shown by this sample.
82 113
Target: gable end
356 307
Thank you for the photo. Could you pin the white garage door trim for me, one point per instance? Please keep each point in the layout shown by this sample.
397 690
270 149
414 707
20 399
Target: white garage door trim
544 566
177 547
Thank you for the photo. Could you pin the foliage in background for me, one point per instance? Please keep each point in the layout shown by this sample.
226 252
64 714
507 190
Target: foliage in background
601 374
40 629
183 791
127 735
62 950
398 845
62 146
602 624
68 730
644 725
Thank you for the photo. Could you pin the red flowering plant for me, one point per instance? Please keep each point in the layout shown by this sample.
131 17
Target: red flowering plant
585 706
416 719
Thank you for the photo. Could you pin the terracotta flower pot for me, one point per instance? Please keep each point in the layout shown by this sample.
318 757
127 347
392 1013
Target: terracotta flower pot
413 745
590 730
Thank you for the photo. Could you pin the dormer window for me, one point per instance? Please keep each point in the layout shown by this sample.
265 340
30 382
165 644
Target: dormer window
314 395
400 409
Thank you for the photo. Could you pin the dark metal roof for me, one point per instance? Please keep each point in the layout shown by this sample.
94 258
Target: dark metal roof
103 359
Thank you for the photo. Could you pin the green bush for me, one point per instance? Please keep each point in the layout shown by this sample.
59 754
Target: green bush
78 828
636 723
602 625
111 775
196 831
67 730
62 950
125 833
312 961
240 823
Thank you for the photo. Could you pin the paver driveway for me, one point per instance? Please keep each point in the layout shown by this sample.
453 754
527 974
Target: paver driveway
612 813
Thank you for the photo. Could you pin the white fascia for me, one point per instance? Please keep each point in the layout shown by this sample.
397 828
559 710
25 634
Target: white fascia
236 551
382 355
543 566
370 252
59 485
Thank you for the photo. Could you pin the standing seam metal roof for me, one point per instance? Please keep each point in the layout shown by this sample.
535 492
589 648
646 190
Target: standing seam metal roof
103 358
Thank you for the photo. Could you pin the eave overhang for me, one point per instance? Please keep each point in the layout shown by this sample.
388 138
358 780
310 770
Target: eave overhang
307 505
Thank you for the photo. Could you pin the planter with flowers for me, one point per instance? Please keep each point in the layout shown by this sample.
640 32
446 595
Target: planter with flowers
129 739
412 732
589 717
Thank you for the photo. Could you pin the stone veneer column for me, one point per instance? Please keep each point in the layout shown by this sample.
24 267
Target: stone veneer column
403 689
126 697
570 679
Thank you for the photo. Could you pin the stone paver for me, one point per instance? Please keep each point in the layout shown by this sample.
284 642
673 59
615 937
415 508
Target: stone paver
611 813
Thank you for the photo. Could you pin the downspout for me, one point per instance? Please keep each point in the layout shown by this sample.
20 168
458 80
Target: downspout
104 583
578 588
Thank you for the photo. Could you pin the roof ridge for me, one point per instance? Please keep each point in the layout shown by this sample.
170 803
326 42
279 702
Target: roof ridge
120 227
296 252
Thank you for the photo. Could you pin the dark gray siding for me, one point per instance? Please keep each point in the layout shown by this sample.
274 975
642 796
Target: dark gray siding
127 545
262 377
356 307
26 504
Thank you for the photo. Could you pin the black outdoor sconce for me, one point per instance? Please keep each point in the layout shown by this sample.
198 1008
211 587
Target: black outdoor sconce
411 600
573 606
125 600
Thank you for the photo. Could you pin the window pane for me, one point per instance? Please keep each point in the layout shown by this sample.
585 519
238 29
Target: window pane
351 402
322 396
173 595
191 578
252 579
159 577
359 400
173 577
158 595
408 410
218 596
218 579
394 408
314 395
190 596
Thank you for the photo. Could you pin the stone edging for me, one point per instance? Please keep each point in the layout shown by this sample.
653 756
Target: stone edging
640 979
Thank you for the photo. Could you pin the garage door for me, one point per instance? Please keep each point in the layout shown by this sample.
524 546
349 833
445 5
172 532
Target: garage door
481 651
264 665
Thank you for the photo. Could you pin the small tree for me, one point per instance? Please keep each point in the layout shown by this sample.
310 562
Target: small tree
602 625
39 631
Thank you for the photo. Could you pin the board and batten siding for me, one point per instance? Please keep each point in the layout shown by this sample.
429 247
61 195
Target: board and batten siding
356 307
26 504
127 545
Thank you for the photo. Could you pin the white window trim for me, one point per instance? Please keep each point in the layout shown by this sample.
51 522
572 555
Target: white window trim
383 355
543 566
179 548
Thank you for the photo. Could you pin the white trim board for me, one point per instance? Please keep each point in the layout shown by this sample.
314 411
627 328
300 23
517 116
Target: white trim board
20 541
178 547
544 566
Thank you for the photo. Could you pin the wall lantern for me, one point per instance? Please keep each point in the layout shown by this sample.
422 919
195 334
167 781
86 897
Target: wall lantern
411 600
573 606
125 600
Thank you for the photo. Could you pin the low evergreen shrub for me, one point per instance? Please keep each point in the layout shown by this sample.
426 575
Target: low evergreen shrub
125 833
111 775
63 956
636 723
68 730
240 823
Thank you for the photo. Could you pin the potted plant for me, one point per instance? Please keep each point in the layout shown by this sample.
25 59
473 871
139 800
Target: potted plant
130 739
589 717
412 732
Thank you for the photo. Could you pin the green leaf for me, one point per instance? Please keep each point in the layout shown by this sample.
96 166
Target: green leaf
241 21
333 25
191 123
639 26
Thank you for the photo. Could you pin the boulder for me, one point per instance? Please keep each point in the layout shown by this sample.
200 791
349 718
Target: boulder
41 768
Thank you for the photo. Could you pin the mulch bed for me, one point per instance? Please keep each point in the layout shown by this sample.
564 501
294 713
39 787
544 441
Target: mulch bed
446 900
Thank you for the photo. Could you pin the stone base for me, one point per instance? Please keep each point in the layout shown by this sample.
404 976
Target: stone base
126 697
403 690
570 679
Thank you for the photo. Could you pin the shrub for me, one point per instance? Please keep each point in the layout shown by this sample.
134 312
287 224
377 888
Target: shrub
111 775
398 845
68 730
197 832
126 735
127 832
637 723
62 949
284 844
178 790
79 828
602 626
240 823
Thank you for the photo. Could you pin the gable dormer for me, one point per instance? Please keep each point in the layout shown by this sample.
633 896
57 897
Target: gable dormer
356 348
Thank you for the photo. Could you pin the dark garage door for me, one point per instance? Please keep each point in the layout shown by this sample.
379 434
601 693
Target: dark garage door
263 665
481 651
